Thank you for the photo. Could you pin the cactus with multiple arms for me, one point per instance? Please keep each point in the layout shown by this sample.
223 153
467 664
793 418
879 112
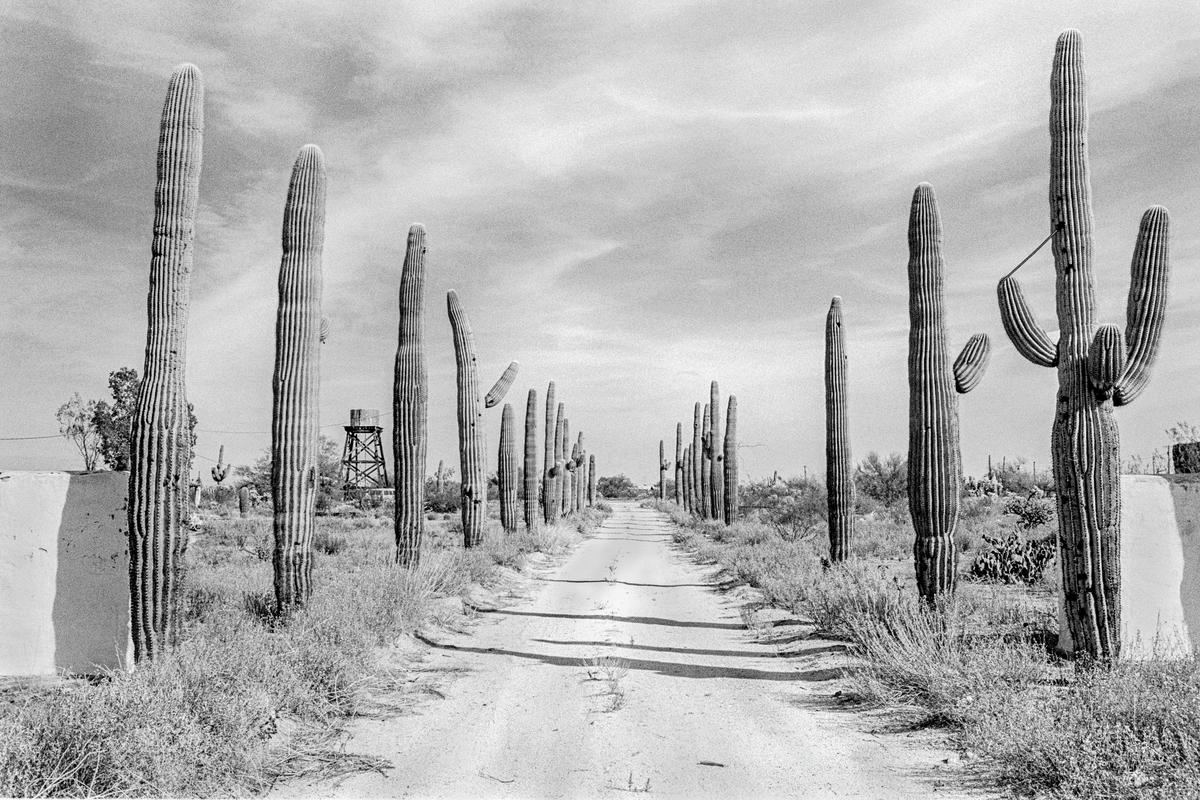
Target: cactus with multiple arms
934 458
502 385
506 471
410 405
731 467
531 475
296 382
716 454
160 451
839 475
470 425
1098 368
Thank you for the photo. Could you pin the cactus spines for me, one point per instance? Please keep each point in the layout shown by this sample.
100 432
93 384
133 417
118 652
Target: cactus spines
663 466
1096 369
934 458
730 508
221 471
244 502
506 471
591 491
470 424
972 363
697 458
410 405
531 475
296 381
706 466
679 464
161 453
839 478
716 454
548 461
502 385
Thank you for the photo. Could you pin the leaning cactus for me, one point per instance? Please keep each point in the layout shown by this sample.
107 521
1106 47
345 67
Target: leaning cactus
663 466
470 425
410 405
1098 368
934 459
730 507
717 456
502 385
531 475
549 513
506 472
839 476
697 459
244 502
296 381
160 452
679 464
221 471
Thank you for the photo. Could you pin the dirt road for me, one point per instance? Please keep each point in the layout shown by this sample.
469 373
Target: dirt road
626 669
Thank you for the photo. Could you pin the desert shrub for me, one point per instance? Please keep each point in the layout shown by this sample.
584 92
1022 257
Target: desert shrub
323 541
617 487
1030 512
444 500
1012 559
882 480
796 508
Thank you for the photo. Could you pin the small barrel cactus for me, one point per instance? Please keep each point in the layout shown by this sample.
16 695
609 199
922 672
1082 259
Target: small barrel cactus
296 382
470 425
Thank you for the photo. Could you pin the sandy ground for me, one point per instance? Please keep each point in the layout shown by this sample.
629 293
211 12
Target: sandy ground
624 670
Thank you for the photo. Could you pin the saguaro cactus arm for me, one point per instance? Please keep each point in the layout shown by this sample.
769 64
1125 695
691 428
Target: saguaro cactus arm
502 385
1147 303
1106 359
1023 329
972 363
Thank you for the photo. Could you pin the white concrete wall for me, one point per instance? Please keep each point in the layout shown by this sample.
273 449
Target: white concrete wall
1160 567
64 572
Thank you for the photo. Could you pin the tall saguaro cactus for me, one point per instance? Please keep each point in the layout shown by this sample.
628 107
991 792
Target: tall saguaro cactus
580 459
410 404
679 464
1098 367
560 463
839 477
717 481
591 480
549 512
470 424
706 505
934 458
296 383
697 458
687 477
531 474
161 454
730 476
568 470
663 466
506 471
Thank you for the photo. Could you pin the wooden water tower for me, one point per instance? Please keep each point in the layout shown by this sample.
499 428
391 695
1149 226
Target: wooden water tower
363 466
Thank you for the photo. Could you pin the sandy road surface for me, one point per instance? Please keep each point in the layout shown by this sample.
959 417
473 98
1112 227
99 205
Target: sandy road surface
625 668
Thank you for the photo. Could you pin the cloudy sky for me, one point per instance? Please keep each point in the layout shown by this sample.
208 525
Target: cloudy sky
630 198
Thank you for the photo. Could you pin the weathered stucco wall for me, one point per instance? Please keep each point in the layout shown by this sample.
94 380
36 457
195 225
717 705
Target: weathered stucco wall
64 572
1160 567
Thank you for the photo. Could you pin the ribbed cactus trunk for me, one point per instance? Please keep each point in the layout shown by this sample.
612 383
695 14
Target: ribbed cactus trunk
410 404
730 473
679 464
160 452
531 475
717 456
706 467
934 459
1098 367
662 470
560 463
549 514
564 483
296 382
244 502
470 425
839 476
591 480
697 458
580 474
506 471
502 385
687 478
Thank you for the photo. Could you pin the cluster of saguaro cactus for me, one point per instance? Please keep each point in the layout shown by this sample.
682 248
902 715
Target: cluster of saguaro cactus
934 458
1098 367
296 381
410 405
706 476
839 478
470 424
160 453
